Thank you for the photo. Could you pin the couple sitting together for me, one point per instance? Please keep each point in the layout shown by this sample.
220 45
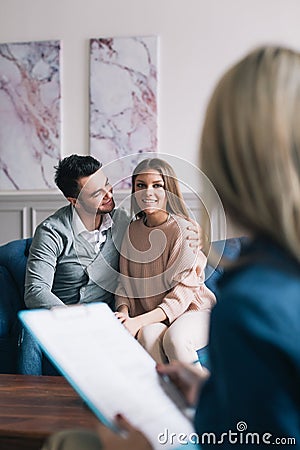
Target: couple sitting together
77 254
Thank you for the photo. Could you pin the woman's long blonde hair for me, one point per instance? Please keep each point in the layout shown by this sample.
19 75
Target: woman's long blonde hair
250 145
175 201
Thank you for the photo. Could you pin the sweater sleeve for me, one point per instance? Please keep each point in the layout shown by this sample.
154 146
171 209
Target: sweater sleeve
185 273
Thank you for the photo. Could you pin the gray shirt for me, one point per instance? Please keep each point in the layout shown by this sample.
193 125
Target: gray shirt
63 268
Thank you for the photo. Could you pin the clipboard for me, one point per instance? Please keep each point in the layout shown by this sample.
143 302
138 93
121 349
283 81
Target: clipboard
109 369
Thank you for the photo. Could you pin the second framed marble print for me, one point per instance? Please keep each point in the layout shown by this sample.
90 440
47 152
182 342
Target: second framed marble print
123 103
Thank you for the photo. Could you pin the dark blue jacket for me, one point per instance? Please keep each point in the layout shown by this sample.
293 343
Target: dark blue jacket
253 393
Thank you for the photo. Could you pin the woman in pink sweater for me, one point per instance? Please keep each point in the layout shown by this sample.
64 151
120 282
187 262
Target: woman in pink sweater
161 298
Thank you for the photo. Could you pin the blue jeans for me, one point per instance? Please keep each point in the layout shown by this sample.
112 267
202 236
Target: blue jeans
32 360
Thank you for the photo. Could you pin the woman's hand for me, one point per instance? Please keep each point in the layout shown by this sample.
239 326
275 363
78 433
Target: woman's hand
133 324
188 379
122 316
133 440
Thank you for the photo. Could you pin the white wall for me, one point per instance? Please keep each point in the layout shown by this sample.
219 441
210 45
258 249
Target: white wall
198 39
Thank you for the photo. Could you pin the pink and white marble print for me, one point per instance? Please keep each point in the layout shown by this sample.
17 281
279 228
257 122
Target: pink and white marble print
30 122
123 102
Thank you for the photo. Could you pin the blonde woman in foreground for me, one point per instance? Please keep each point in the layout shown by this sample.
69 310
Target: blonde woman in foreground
251 152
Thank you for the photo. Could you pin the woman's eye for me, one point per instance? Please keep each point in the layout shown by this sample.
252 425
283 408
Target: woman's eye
158 185
140 185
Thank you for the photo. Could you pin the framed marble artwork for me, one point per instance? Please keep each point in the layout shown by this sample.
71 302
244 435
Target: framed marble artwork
30 114
123 103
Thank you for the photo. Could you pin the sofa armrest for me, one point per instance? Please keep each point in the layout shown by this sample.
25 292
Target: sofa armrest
10 303
13 256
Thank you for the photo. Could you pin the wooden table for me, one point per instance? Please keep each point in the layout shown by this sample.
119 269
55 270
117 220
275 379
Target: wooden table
32 408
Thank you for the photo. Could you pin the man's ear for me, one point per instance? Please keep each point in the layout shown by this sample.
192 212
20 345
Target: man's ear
72 200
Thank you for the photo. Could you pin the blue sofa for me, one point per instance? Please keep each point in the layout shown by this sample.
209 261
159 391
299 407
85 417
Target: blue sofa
13 258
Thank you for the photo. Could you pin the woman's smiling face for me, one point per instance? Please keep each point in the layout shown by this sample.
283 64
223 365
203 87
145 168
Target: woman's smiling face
150 192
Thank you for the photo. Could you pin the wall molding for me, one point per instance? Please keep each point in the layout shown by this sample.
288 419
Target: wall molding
21 212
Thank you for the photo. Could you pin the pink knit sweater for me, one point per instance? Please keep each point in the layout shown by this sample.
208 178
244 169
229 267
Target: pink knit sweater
159 269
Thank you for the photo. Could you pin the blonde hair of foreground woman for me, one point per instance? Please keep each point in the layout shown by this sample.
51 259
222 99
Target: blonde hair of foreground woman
250 145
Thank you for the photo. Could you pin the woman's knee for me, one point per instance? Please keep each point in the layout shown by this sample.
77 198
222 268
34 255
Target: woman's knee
172 340
150 334
150 337
185 336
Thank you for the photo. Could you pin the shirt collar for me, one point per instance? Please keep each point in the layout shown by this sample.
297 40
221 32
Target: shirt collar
106 223
79 226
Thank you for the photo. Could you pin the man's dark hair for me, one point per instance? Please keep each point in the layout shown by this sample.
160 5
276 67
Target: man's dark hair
70 169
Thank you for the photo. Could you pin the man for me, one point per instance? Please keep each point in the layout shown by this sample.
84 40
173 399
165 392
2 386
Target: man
74 254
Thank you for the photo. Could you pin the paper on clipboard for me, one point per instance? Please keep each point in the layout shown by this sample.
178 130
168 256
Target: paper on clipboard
107 367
